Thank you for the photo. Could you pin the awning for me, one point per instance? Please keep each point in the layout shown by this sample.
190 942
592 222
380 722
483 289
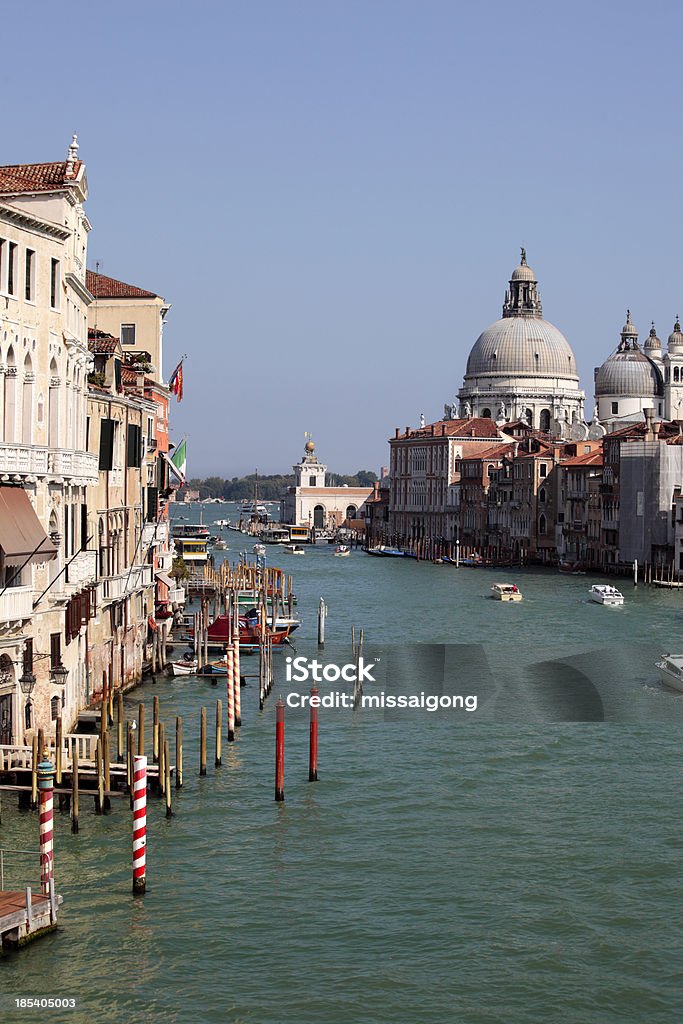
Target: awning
165 579
22 538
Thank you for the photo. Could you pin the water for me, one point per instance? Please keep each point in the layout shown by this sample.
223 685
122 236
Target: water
513 866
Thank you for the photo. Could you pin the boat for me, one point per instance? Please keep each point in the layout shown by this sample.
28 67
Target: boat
190 542
295 549
604 594
506 592
342 551
260 550
220 545
220 523
671 671
185 667
274 535
384 551
218 631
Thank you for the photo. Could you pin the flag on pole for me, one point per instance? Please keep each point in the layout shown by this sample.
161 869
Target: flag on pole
175 384
178 462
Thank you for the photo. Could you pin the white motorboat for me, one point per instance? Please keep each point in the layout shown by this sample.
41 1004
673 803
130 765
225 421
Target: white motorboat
295 549
184 668
220 523
506 592
259 550
342 551
671 671
604 594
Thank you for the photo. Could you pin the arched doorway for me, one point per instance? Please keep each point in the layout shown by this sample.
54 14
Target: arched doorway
544 422
10 396
53 407
350 512
318 517
7 685
486 413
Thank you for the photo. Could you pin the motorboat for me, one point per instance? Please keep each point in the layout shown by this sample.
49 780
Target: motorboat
506 592
259 550
671 671
220 523
295 549
342 551
220 545
604 594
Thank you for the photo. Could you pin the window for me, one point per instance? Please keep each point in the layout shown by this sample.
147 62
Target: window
560 517
55 650
542 525
486 413
30 275
55 707
12 268
3 262
615 408
127 334
28 657
106 462
586 449
311 481
134 446
54 283
543 469
541 495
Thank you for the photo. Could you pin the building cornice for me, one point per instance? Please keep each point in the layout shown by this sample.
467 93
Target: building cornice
79 288
41 227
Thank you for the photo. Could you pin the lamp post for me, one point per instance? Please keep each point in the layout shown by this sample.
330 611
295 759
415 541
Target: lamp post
27 681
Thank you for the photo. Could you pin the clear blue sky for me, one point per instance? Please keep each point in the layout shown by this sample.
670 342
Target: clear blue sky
333 196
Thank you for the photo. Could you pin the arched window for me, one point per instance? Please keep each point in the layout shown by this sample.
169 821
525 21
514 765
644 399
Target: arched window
350 512
541 524
486 413
102 545
541 495
544 422
529 417
55 707
53 406
318 517
676 374
27 403
10 396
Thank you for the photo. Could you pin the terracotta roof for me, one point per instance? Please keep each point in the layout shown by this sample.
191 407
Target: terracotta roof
128 376
478 426
37 177
101 343
103 287
496 451
593 458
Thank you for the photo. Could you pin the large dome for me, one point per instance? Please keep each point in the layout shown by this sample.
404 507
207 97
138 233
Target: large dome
628 373
523 346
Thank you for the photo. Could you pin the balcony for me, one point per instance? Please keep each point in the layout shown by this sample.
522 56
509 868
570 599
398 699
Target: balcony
154 534
66 463
116 587
82 569
23 459
16 605
176 595
610 524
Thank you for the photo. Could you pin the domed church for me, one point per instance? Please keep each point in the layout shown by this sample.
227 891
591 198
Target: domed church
633 379
522 367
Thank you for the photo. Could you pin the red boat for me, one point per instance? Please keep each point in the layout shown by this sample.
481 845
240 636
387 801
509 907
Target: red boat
249 631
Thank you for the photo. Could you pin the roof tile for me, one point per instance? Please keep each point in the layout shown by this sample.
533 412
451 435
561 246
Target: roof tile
103 287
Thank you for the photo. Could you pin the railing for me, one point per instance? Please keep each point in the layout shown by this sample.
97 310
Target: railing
12 756
23 458
16 604
83 568
176 595
610 524
154 533
114 587
65 462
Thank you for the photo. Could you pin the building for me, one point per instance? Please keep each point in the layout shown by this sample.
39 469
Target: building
135 315
631 380
311 502
47 566
522 366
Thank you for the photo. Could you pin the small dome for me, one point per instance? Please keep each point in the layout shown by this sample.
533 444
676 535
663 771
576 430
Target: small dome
522 346
628 373
653 341
310 446
676 337
523 273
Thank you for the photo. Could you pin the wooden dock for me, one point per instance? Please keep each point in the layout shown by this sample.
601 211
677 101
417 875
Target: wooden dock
25 916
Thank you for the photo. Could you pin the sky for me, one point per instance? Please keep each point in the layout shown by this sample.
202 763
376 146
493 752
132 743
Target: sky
333 195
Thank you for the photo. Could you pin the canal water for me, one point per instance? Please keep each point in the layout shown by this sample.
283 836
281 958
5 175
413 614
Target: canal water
518 863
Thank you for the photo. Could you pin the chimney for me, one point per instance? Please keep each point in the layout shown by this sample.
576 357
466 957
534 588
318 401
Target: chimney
433 429
375 487
656 427
649 433
398 431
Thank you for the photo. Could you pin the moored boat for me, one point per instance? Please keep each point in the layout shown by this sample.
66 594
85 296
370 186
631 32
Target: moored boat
184 668
506 592
604 594
342 551
295 549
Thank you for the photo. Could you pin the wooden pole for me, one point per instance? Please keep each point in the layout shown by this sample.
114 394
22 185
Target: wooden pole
280 750
238 683
155 730
161 777
322 614
106 802
219 736
58 751
202 743
178 753
99 800
119 726
34 772
74 788
141 730
313 737
167 781
139 824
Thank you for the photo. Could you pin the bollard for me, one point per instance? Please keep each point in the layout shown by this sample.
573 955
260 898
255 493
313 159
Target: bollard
161 776
178 753
119 726
322 615
313 737
45 785
280 750
74 788
139 824
58 751
99 800
237 678
106 802
202 743
219 736
230 683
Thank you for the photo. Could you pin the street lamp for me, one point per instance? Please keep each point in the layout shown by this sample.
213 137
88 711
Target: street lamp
58 675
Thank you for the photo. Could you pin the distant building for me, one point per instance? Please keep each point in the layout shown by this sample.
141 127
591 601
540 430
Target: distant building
310 502
135 315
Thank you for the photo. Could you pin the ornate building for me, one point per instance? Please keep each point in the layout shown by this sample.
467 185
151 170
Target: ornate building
312 502
522 367
631 379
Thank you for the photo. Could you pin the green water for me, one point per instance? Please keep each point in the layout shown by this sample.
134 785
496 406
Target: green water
508 866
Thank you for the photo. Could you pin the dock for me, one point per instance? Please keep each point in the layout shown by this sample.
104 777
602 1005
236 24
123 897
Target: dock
25 916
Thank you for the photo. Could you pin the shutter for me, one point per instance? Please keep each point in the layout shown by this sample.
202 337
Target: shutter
133 445
152 504
106 445
55 650
117 374
84 525
28 656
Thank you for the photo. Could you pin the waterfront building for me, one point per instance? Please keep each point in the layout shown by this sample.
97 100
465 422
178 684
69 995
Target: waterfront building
579 517
134 315
47 569
522 366
312 502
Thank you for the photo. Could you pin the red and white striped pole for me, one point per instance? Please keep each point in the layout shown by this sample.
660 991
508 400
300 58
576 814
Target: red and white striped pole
280 750
45 784
230 682
139 824
236 677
